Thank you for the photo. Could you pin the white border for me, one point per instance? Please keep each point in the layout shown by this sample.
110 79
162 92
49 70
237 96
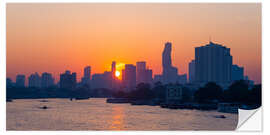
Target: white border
265 66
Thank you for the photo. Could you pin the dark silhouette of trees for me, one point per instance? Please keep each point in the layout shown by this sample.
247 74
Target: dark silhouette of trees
211 91
255 96
237 92
143 91
187 95
159 91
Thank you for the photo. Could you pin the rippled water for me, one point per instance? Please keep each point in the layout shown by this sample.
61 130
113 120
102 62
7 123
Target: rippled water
96 114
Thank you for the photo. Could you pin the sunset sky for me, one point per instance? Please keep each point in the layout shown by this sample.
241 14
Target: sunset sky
55 37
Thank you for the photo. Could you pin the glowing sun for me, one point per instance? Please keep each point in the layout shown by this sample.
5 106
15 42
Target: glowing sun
117 73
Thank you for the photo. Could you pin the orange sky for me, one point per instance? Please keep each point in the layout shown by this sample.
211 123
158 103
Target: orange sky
56 37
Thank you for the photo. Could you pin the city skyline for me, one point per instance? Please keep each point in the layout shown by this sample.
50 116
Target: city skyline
123 44
212 63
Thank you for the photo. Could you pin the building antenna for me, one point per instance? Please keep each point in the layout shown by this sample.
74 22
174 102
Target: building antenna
209 39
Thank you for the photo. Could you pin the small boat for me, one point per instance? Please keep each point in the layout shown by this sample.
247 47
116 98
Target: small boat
9 100
82 98
118 100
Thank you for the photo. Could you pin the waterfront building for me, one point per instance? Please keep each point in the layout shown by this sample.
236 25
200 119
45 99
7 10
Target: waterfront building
191 71
237 73
169 73
20 80
129 77
143 75
213 63
86 79
68 80
102 80
140 72
47 80
173 94
34 80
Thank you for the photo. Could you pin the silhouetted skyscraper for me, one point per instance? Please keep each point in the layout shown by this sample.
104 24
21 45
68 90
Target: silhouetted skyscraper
47 80
87 75
129 76
191 71
34 80
87 72
68 80
143 75
237 73
113 68
170 73
148 76
20 80
102 80
213 63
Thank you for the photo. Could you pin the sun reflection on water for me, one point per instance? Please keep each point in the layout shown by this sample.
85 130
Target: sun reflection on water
117 118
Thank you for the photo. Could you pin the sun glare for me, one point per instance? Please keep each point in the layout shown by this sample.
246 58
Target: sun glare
117 73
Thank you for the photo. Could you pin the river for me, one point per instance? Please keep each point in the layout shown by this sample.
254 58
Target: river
96 114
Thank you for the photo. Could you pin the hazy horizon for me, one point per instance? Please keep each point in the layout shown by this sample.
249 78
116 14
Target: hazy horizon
58 37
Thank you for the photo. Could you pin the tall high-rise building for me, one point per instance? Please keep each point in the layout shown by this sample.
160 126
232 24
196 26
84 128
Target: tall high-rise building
102 80
169 73
34 80
191 71
140 72
237 73
87 75
213 63
20 80
68 80
87 72
129 77
47 80
113 70
148 76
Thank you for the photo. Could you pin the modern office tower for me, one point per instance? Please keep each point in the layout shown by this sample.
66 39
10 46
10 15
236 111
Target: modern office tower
129 77
113 75
34 80
47 80
182 79
170 73
113 68
140 72
213 63
191 71
87 75
97 81
87 72
20 81
101 80
149 76
237 73
68 80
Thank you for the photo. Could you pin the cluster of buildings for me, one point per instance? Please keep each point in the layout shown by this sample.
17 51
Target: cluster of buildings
46 80
212 63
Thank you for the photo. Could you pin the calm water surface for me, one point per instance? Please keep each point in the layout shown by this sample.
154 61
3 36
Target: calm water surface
96 114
